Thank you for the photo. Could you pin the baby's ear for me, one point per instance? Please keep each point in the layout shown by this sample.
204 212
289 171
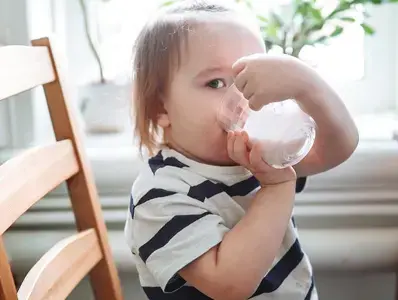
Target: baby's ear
163 119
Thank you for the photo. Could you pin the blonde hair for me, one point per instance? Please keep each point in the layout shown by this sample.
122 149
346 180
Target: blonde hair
157 56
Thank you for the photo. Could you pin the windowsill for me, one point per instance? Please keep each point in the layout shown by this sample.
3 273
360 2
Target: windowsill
115 161
377 127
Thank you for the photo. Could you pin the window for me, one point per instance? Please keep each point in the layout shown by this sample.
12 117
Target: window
352 63
117 22
360 68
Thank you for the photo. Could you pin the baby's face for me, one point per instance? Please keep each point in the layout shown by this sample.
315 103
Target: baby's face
199 84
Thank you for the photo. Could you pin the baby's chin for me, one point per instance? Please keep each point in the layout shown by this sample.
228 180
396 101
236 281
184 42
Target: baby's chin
219 155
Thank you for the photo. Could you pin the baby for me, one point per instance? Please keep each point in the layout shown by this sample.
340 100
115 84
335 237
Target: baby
209 219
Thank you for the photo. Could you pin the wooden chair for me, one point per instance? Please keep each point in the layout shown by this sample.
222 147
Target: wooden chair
28 177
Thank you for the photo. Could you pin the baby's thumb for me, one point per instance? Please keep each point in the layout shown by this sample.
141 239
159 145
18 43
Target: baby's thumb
239 66
255 104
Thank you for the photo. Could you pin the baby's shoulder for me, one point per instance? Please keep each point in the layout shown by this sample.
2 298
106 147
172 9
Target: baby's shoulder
160 176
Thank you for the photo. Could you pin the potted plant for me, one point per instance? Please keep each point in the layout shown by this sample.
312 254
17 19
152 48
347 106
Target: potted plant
302 23
103 102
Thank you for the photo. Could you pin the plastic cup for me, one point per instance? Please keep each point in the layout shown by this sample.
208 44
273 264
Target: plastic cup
285 132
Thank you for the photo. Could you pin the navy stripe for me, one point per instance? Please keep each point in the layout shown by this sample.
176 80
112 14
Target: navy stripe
154 193
275 277
157 162
208 189
174 283
309 294
184 293
243 188
131 206
300 184
174 162
205 190
294 222
167 232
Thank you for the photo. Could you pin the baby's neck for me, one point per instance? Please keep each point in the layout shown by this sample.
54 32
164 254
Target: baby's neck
188 155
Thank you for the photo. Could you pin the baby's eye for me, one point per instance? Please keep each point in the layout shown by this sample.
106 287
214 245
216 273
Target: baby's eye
216 84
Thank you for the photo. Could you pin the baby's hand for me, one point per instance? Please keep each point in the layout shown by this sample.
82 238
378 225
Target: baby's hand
263 78
249 156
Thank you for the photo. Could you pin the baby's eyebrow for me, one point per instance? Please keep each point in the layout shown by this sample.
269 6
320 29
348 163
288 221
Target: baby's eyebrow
209 71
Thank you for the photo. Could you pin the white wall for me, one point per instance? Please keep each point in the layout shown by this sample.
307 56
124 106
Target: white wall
376 91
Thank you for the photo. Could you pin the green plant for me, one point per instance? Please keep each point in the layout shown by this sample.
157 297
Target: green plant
309 22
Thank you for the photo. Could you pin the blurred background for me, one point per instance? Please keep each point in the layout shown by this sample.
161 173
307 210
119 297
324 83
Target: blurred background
348 217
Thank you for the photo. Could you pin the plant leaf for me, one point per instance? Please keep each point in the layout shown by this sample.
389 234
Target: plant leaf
168 3
343 6
262 18
320 40
337 31
303 8
348 19
277 20
316 13
272 30
314 28
368 29
249 4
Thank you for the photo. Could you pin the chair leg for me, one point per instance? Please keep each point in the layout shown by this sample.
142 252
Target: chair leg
7 285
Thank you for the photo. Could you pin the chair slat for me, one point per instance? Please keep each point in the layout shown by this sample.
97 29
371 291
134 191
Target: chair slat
58 272
29 176
22 68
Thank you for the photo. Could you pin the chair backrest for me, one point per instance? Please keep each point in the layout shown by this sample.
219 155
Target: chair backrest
28 177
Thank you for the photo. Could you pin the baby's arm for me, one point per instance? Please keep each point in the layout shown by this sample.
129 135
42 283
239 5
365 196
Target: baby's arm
336 136
234 268
265 78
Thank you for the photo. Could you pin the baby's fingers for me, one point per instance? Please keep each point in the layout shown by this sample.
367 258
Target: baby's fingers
237 148
256 157
240 150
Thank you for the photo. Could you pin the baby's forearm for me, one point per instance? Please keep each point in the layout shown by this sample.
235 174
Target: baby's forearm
248 250
337 134
235 268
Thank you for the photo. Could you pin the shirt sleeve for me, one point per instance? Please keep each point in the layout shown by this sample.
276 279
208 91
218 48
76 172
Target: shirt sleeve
171 230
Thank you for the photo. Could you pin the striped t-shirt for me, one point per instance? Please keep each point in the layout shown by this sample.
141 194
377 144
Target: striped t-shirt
180 209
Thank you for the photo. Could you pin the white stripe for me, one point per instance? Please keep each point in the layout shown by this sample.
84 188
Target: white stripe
187 245
151 216
180 174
